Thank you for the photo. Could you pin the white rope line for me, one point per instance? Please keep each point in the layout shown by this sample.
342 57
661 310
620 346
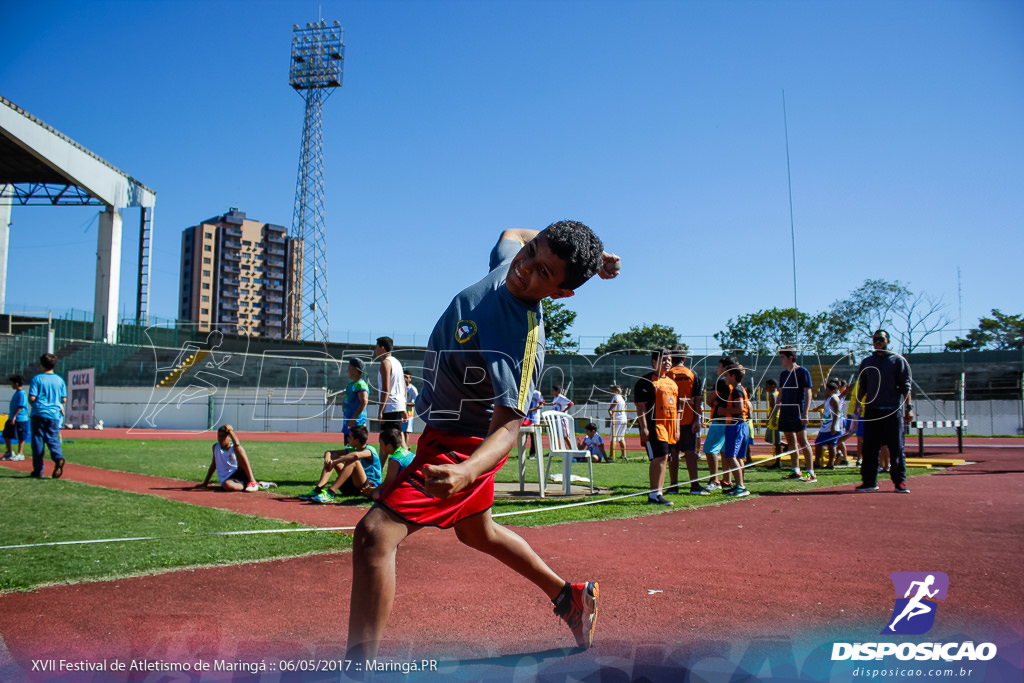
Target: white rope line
165 538
553 508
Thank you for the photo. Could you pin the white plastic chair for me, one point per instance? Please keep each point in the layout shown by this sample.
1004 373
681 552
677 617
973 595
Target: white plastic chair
561 444
537 447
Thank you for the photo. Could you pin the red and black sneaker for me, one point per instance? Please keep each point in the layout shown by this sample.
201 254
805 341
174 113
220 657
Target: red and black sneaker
578 609
902 487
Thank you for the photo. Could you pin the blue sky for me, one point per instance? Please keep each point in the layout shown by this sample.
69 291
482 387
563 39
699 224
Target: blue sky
659 124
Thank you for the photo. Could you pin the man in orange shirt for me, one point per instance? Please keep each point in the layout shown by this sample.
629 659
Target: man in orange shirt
691 395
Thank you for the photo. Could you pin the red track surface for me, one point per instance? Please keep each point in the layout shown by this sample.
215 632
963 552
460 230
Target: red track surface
808 567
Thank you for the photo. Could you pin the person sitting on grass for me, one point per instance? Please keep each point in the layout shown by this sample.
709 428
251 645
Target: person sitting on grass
358 465
231 464
398 458
594 443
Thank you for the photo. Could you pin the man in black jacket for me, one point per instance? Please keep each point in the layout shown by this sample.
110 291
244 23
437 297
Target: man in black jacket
884 388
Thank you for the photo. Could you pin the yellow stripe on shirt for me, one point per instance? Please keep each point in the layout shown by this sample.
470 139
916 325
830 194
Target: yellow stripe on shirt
529 360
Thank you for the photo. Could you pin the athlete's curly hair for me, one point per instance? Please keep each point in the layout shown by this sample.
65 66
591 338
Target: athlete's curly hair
579 247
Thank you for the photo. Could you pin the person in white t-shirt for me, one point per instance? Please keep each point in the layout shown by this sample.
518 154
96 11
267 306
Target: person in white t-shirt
560 402
390 385
617 413
231 464
594 443
411 393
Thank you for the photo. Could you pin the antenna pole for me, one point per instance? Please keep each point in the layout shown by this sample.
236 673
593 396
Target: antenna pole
792 229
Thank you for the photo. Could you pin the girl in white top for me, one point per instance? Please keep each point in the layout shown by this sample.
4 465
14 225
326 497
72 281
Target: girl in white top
617 413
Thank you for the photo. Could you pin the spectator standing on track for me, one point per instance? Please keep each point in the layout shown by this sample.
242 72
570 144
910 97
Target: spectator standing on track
230 462
651 397
391 385
473 403
617 415
47 393
411 393
884 386
737 431
357 466
794 402
714 440
357 398
17 427
691 400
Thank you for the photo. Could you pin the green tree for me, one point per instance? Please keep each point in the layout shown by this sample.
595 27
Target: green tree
558 320
1000 332
909 318
872 306
640 339
765 331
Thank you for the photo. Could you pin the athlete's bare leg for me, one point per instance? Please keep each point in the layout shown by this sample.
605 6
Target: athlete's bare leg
374 546
480 532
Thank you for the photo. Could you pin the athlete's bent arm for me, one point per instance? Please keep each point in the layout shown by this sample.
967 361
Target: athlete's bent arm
445 480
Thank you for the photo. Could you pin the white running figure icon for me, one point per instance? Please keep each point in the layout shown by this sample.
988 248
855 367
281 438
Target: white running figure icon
915 607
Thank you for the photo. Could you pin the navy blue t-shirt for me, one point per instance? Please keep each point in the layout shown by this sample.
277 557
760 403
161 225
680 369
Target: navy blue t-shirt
791 390
487 349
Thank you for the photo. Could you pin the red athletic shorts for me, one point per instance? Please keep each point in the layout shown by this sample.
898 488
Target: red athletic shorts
408 498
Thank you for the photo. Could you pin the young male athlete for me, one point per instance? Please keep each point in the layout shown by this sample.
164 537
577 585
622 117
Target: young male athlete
691 397
483 360
657 400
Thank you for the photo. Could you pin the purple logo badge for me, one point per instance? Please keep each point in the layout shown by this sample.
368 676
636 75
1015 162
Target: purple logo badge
916 593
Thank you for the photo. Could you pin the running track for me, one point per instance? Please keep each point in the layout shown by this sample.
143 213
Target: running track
688 589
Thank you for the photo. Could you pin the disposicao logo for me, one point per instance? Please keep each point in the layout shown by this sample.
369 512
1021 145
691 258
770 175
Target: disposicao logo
914 614
916 595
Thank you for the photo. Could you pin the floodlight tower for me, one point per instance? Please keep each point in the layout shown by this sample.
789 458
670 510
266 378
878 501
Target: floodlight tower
318 55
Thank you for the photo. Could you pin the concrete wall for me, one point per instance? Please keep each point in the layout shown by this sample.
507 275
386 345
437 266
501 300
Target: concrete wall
195 409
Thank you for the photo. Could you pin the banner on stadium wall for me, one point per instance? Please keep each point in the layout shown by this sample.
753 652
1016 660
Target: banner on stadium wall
81 397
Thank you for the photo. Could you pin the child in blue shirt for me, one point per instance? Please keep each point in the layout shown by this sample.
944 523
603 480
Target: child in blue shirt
397 457
48 393
357 397
358 466
17 426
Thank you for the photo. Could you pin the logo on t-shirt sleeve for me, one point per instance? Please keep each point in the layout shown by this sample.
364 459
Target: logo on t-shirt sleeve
464 331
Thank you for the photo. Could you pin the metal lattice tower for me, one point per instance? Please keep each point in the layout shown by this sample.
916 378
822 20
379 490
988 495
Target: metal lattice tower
318 55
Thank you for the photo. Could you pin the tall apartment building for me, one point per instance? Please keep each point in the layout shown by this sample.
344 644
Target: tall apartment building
237 275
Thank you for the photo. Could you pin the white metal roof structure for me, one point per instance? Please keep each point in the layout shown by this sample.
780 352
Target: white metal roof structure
41 166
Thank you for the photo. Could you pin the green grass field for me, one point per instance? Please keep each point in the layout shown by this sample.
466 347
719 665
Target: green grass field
52 511
295 467
48 511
